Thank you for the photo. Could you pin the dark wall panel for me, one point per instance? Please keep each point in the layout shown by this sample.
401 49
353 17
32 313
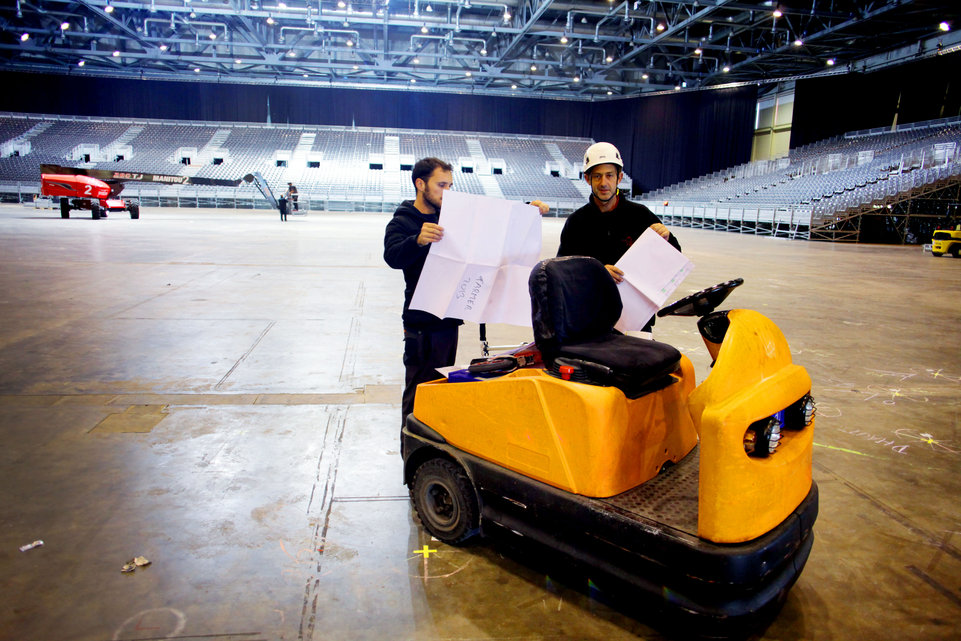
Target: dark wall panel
923 90
670 138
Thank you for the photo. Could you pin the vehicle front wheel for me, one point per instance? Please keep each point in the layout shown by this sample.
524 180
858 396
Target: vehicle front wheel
64 208
937 254
445 502
95 212
134 211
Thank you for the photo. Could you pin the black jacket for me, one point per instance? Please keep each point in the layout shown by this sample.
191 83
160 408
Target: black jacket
606 235
401 251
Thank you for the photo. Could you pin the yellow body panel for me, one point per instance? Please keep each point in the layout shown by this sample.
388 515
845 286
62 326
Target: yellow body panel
944 241
740 497
581 438
593 441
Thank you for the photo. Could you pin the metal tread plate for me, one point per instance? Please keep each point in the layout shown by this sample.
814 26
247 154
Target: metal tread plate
670 498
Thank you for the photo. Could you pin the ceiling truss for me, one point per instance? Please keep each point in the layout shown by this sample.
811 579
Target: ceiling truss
569 50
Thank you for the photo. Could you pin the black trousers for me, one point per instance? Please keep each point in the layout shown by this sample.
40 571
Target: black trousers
424 352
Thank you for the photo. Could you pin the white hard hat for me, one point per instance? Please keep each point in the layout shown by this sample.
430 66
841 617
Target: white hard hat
601 153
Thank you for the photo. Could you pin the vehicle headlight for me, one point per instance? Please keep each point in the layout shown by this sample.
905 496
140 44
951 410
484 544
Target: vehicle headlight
762 437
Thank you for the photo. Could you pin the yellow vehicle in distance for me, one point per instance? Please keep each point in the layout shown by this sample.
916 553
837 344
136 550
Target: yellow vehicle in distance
946 241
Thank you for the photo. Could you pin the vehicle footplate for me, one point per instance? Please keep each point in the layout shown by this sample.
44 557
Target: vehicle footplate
669 498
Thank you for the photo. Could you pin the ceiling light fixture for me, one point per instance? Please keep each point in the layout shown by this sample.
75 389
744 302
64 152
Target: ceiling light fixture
424 29
698 51
660 26
81 63
116 54
24 37
270 20
830 62
944 26
64 26
778 13
725 68
798 42
564 39
533 67
108 8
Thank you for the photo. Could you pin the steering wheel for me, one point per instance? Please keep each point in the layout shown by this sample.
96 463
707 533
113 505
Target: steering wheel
703 302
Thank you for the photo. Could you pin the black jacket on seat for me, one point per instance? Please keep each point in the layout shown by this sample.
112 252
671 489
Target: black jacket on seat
574 305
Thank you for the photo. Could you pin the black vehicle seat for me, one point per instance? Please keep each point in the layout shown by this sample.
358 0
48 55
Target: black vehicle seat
575 304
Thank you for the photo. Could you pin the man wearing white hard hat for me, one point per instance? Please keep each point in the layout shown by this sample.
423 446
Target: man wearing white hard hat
608 224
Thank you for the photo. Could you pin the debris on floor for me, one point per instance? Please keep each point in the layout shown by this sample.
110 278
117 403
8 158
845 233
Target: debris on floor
134 563
30 546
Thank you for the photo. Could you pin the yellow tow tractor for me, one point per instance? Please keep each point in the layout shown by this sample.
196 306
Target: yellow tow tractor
946 241
699 499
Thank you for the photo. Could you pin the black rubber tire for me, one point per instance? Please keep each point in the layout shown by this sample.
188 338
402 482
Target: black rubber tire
445 501
64 208
134 211
955 251
95 212
937 253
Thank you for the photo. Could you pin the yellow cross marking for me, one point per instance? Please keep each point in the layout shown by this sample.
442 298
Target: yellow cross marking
425 551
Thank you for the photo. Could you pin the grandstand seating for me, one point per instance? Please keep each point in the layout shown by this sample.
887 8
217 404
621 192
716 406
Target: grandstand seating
817 183
365 169
333 167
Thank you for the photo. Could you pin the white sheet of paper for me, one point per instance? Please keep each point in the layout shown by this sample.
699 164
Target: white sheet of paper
478 271
652 270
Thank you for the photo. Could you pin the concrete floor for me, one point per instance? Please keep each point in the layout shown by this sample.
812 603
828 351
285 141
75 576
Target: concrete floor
219 392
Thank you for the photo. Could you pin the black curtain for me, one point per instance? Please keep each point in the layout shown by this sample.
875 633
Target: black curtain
112 97
914 92
670 138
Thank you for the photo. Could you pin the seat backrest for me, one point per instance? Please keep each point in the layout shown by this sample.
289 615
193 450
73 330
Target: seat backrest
573 299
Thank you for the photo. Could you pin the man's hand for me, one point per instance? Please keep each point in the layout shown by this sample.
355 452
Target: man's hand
429 233
542 206
661 230
615 273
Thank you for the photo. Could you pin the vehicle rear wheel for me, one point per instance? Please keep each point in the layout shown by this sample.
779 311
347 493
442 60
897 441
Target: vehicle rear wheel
955 251
95 212
444 499
937 253
64 208
134 211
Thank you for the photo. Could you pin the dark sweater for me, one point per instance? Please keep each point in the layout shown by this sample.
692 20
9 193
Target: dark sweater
401 251
606 235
